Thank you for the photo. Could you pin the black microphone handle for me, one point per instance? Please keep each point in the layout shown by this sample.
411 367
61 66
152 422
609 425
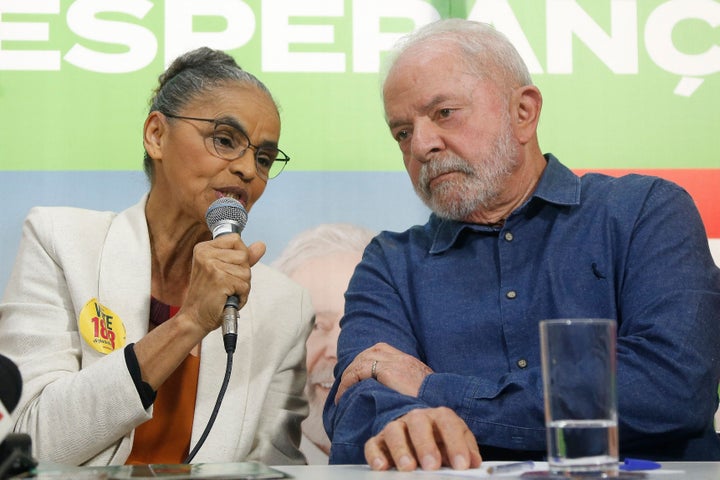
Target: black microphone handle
225 228
233 301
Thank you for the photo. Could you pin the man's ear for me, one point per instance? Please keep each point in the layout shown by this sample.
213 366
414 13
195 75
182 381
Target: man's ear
153 130
526 106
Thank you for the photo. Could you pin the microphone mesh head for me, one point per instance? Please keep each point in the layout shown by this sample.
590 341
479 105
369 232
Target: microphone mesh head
226 209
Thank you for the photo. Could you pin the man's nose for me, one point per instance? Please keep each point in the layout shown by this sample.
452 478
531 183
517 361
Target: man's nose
426 139
331 341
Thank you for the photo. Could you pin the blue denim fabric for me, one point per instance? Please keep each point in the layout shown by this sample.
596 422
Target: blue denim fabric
467 299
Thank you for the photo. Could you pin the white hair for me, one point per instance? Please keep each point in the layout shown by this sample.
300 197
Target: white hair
324 239
486 51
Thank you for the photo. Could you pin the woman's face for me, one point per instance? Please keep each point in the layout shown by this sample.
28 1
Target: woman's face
188 172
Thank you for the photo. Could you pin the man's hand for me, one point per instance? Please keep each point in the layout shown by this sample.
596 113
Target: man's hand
428 437
389 366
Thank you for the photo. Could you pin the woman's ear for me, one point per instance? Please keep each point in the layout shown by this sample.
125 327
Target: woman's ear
153 131
527 104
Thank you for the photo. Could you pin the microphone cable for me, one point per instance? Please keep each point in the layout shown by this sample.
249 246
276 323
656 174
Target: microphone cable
216 409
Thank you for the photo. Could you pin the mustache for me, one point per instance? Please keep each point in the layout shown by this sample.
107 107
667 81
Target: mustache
440 166
322 373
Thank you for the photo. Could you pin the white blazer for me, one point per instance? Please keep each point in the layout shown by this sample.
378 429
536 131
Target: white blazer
80 406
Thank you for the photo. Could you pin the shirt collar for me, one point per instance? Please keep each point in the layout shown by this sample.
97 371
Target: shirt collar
558 185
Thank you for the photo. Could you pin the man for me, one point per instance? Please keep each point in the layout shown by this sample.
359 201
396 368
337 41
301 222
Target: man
438 357
322 260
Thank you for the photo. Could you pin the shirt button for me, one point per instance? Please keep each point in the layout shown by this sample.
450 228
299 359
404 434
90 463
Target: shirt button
522 363
508 236
511 294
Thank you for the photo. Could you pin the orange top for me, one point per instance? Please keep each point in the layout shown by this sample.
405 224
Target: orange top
165 438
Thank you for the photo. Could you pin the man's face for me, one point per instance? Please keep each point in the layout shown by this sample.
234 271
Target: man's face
326 279
454 131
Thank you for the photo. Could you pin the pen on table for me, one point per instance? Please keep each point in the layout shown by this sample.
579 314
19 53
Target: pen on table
511 467
631 464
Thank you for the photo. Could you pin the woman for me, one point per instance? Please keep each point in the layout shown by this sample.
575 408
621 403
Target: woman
112 318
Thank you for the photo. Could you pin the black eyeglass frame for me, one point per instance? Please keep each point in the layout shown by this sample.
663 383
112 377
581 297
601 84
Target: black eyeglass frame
281 156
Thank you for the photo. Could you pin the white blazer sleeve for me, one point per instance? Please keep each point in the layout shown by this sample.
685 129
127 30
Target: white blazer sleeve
72 409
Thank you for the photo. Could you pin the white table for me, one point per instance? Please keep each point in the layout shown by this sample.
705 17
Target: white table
670 471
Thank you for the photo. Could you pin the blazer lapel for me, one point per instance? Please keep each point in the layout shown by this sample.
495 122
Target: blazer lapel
124 277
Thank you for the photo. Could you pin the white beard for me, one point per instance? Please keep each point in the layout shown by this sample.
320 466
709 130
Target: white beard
477 185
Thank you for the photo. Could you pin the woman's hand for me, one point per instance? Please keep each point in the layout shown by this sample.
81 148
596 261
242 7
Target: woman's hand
220 268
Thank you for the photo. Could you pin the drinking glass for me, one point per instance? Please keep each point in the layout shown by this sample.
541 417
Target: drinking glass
578 368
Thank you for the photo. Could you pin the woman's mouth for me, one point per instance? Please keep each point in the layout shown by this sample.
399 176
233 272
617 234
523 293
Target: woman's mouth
240 196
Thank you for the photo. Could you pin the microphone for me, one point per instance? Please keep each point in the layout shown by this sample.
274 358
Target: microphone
15 448
10 390
227 215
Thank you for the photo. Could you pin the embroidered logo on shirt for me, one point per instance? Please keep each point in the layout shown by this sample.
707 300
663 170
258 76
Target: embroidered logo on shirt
101 328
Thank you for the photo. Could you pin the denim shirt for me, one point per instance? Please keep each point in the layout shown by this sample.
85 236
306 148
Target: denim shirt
466 300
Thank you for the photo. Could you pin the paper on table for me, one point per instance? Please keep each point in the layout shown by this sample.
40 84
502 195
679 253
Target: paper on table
482 472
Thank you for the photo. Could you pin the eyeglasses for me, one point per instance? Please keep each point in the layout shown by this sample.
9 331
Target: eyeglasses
229 142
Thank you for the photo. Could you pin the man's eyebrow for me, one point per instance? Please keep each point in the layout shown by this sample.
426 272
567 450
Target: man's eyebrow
426 107
396 123
436 100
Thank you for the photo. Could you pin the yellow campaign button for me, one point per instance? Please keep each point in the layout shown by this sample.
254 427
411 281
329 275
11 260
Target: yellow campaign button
101 328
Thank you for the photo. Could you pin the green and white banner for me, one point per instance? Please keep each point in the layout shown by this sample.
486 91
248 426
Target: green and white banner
628 85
